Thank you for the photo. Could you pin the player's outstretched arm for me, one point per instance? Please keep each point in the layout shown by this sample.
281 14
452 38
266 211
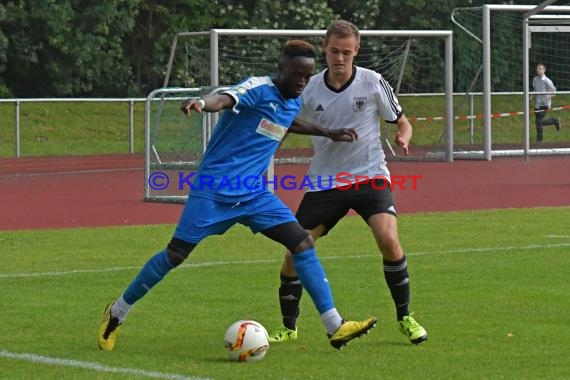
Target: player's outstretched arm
212 103
404 134
302 127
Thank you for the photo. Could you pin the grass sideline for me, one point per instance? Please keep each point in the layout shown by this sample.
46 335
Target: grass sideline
103 128
490 287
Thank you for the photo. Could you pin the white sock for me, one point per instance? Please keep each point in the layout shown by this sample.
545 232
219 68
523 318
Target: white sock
332 320
120 309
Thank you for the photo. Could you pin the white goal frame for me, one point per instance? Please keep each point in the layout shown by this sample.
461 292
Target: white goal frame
554 23
214 35
209 122
487 112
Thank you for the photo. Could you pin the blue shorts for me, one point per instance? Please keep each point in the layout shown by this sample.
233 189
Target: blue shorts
203 217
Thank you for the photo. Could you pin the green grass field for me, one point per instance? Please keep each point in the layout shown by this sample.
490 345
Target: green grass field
489 286
103 128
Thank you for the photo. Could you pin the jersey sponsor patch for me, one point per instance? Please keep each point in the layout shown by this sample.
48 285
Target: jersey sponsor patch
319 108
238 89
271 130
359 103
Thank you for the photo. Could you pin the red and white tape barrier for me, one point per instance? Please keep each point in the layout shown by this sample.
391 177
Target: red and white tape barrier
480 116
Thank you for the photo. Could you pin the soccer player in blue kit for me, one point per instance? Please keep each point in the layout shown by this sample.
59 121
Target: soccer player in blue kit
258 113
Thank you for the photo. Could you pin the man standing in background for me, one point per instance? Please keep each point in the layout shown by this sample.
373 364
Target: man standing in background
543 102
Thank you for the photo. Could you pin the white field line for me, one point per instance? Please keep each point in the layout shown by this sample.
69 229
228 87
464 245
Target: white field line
558 236
92 366
278 260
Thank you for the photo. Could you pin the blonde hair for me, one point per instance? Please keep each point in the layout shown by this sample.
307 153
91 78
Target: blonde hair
342 29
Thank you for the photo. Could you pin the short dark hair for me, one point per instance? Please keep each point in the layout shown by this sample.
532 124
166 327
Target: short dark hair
298 48
541 64
342 29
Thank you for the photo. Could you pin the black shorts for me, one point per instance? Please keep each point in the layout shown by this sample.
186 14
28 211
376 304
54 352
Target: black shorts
327 207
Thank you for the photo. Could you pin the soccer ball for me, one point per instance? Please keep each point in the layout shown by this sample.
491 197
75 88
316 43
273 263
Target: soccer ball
246 341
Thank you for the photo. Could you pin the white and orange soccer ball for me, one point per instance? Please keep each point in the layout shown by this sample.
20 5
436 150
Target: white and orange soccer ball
246 341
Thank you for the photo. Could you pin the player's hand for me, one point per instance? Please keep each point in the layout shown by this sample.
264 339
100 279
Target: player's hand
342 134
403 143
190 104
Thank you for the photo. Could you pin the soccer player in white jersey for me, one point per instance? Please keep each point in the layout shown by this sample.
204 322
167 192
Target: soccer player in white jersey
543 102
228 190
345 95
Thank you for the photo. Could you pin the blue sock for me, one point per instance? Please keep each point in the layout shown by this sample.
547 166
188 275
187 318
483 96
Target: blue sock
151 274
314 279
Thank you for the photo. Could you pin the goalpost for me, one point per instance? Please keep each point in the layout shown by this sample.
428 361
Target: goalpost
491 42
418 64
535 23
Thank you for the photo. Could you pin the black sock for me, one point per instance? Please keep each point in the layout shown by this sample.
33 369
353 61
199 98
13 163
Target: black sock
290 293
396 275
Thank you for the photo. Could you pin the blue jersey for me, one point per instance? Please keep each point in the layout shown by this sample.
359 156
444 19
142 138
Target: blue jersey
244 140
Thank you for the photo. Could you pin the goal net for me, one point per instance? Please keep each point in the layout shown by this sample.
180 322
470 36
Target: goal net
174 143
413 62
550 47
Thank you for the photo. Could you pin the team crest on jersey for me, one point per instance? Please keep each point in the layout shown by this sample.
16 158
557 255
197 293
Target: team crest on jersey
269 129
359 103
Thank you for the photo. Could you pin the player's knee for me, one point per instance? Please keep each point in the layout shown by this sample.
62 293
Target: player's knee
307 243
390 245
391 242
178 250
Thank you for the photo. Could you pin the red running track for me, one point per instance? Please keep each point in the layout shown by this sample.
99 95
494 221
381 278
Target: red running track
90 191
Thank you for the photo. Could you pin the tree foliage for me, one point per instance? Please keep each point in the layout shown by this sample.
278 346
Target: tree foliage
68 48
4 91
64 48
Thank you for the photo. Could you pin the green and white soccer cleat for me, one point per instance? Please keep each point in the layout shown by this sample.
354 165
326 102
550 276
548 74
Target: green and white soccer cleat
282 334
412 329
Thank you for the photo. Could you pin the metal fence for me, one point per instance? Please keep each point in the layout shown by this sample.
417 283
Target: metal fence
17 102
469 113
